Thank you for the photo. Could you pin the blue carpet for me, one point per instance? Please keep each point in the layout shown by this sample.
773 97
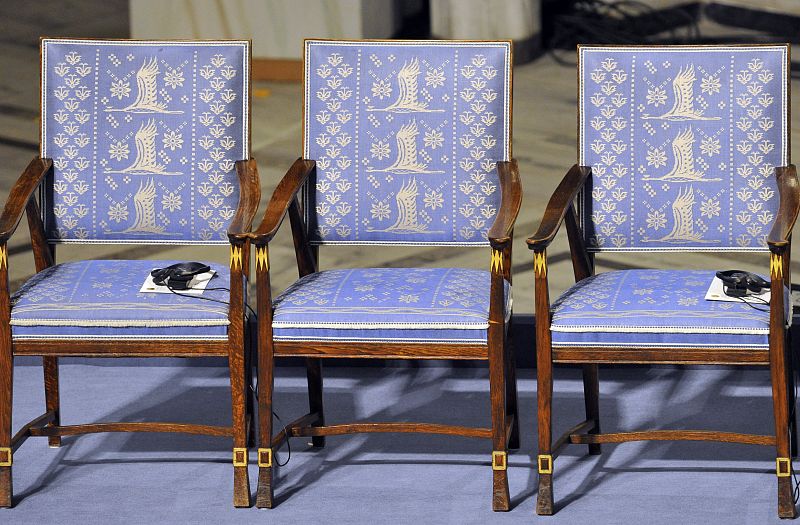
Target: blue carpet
161 478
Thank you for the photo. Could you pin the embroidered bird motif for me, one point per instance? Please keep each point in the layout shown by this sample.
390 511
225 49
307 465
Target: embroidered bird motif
683 216
144 205
147 91
146 161
406 160
683 105
683 169
407 98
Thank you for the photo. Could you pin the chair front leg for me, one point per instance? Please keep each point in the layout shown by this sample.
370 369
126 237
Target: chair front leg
6 382
266 363
591 399
544 385
236 364
315 406
779 377
497 386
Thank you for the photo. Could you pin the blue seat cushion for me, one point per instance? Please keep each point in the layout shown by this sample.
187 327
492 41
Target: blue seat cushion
414 305
101 300
655 308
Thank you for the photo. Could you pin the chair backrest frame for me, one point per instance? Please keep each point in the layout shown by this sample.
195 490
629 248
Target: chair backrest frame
144 136
439 187
705 126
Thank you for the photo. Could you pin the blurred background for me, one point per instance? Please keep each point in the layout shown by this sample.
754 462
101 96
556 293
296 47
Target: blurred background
545 33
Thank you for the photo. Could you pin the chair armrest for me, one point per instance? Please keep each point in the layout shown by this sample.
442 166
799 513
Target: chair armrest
249 198
788 208
20 194
511 200
281 199
559 205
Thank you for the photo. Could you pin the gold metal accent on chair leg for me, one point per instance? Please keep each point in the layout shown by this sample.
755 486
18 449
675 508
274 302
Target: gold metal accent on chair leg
236 257
783 467
497 261
775 265
3 256
262 258
540 264
5 456
240 457
499 460
265 453
544 463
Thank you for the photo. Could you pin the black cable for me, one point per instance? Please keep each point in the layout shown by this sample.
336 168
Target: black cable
285 431
227 303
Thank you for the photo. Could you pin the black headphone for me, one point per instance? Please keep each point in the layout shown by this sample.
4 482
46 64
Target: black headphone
738 283
178 276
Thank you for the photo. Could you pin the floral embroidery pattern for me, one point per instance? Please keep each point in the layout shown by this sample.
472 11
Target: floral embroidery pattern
406 138
132 126
682 145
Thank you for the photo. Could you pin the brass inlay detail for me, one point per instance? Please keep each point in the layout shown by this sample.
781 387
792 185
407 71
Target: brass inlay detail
262 258
540 264
499 460
783 467
544 463
265 457
5 456
497 261
236 257
240 457
775 265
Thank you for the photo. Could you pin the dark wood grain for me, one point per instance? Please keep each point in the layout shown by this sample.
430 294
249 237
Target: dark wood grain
6 376
661 356
413 428
788 208
282 198
379 351
94 428
560 203
21 192
672 435
511 200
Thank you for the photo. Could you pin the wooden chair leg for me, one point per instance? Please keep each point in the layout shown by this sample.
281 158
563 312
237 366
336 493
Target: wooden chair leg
50 365
511 396
314 376
791 372
6 403
780 404
250 409
265 491
591 398
241 481
544 462
501 501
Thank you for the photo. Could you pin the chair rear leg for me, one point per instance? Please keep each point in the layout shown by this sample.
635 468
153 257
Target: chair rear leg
511 396
314 376
241 481
249 393
591 398
501 500
50 365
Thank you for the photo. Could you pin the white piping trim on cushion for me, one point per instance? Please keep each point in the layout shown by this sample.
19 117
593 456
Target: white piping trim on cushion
120 323
378 340
120 337
658 329
586 344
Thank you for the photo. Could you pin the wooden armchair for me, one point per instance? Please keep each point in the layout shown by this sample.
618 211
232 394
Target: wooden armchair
681 149
405 143
143 142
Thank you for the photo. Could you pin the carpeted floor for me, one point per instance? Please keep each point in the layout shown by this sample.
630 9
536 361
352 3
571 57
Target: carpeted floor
158 478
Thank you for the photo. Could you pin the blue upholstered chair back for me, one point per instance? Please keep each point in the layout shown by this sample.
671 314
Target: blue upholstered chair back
406 137
682 142
143 136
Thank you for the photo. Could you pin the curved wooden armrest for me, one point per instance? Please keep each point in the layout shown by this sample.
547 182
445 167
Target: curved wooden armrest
789 190
511 200
282 198
558 206
249 198
20 194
